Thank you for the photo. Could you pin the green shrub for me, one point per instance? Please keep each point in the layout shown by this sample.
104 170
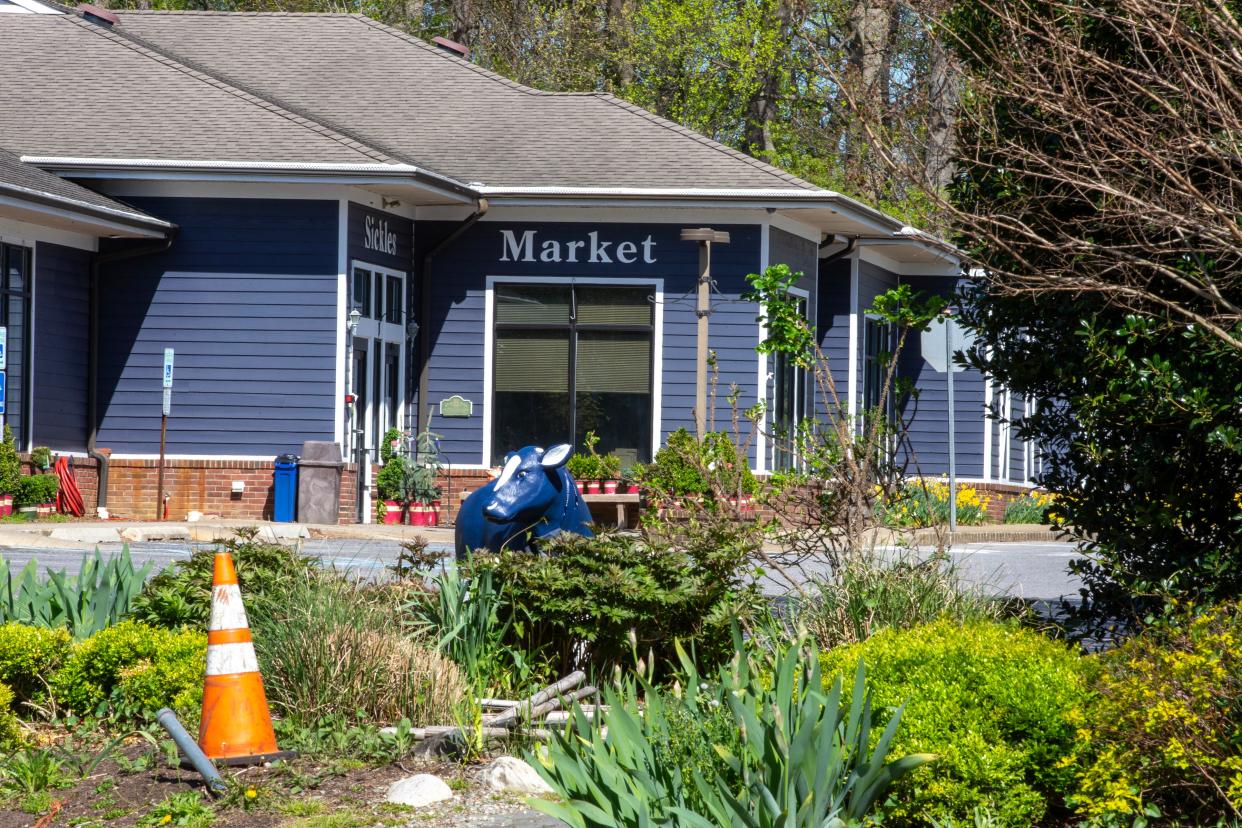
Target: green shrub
875 592
36 489
181 594
10 728
28 657
687 467
576 603
10 463
791 756
994 702
130 669
1165 726
390 481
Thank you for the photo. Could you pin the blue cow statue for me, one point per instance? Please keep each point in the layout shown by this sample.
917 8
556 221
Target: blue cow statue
533 498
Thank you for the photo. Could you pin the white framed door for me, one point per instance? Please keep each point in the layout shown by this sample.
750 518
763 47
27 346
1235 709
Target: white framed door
378 365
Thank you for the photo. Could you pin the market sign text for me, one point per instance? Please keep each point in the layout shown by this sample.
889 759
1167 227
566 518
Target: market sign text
590 250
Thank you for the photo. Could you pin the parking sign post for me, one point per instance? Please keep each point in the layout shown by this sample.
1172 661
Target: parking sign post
165 409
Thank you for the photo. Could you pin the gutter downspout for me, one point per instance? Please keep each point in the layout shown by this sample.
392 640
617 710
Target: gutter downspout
851 243
424 312
92 363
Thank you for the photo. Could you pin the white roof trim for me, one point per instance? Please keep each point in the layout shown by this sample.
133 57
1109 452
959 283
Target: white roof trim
29 7
86 206
100 226
79 166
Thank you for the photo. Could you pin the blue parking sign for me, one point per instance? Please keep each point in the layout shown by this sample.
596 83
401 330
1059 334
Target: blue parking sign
2 387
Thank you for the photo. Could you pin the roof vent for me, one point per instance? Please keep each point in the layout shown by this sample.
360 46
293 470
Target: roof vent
452 46
98 15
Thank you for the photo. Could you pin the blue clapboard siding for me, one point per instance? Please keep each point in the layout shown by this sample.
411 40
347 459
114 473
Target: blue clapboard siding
928 414
833 322
457 318
247 297
872 281
61 311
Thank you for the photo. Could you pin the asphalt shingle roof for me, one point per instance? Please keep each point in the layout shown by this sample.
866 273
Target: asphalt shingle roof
411 99
79 89
15 174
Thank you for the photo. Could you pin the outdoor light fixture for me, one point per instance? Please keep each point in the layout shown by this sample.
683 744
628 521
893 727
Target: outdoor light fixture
706 237
355 316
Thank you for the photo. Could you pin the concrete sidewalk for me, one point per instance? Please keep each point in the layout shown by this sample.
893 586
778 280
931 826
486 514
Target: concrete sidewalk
87 534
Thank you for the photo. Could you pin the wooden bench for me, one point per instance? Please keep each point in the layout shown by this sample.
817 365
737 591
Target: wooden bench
621 501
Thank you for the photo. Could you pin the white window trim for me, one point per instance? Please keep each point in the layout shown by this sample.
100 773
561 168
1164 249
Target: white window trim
761 386
489 337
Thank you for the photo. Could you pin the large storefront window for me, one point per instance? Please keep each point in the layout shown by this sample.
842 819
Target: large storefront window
15 264
570 359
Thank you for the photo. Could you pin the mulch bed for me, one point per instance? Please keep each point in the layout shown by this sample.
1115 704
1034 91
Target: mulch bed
117 795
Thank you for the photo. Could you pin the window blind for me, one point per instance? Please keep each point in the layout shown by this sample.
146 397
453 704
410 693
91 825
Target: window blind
613 362
532 361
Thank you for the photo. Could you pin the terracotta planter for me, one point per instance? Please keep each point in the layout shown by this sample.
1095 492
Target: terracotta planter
392 512
610 487
593 487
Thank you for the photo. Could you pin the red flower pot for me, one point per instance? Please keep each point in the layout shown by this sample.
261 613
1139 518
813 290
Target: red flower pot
632 488
610 487
392 513
593 487
581 486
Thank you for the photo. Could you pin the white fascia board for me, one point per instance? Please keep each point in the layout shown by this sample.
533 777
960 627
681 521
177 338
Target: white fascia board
208 170
32 7
946 267
126 224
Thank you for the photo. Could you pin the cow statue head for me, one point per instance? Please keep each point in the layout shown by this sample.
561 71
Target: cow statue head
530 483
534 497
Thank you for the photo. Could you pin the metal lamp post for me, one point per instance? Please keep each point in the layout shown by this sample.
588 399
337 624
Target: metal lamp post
706 237
351 328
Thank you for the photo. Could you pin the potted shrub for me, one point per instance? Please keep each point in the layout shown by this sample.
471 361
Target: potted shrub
41 457
390 481
10 472
37 493
581 468
422 481
610 472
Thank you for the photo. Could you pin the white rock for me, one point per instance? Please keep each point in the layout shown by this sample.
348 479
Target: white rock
418 790
508 773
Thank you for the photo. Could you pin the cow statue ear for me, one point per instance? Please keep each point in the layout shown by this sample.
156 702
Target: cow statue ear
556 456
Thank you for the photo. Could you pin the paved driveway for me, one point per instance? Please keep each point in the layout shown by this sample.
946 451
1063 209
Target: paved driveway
1034 571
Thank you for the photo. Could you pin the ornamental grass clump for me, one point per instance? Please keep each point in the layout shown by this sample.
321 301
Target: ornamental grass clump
878 591
330 648
1164 728
993 701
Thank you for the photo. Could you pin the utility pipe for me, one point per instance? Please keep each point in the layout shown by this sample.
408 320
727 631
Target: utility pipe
191 751
92 355
850 244
424 313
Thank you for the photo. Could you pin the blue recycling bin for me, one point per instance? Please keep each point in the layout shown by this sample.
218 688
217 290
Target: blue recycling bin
285 486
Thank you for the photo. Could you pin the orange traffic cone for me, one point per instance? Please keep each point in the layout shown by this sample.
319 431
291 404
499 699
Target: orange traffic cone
236 728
